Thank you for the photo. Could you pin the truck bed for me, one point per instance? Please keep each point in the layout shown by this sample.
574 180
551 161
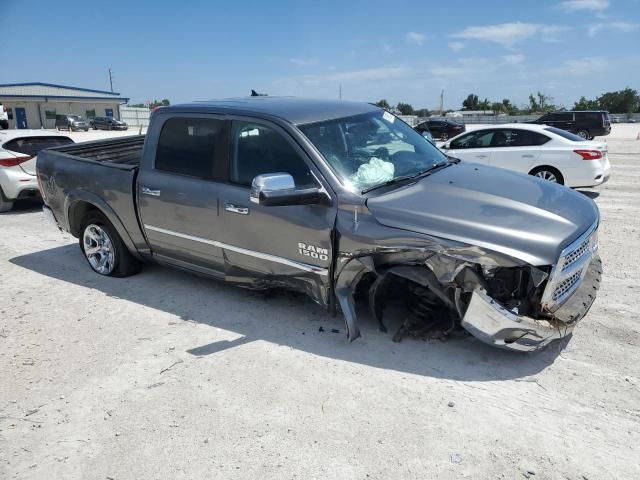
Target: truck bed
118 151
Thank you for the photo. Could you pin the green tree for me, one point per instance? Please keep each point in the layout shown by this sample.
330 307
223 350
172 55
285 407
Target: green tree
159 103
541 103
471 102
623 101
422 112
383 104
508 107
584 104
405 108
497 107
484 104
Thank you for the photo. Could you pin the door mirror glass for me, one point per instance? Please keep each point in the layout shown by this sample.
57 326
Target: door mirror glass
278 189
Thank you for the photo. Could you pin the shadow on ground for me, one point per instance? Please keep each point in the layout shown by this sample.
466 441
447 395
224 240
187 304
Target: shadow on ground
590 193
25 206
290 319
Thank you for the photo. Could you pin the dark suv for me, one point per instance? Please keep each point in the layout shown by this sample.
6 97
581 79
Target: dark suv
441 128
585 124
71 123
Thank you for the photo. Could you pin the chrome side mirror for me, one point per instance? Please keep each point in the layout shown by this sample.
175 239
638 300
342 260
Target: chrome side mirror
279 189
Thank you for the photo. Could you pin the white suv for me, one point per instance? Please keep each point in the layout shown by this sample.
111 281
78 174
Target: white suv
18 153
4 117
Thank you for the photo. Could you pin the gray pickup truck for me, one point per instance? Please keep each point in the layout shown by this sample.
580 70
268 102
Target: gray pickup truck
339 200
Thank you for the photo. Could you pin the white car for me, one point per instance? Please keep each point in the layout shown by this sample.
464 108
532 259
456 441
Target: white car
540 150
18 153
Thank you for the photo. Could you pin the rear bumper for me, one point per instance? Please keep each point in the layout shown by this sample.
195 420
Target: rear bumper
17 184
488 321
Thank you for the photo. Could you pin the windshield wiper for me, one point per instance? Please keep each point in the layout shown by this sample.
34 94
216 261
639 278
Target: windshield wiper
413 176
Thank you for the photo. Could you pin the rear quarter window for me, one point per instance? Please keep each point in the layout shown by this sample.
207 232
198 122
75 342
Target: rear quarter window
564 134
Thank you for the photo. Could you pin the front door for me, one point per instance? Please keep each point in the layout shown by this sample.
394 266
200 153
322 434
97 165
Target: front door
472 146
177 197
21 118
288 244
108 112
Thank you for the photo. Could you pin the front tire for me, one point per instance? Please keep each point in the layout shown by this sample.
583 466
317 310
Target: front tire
583 134
103 248
549 174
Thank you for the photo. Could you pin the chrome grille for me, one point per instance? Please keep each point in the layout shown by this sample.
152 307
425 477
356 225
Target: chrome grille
567 274
566 286
575 255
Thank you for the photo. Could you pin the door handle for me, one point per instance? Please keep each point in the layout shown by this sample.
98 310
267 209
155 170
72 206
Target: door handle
230 207
527 156
150 191
481 156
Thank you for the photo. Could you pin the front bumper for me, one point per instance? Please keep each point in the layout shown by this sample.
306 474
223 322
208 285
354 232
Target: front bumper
491 323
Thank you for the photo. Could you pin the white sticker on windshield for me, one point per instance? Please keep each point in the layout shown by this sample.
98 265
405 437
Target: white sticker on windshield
388 117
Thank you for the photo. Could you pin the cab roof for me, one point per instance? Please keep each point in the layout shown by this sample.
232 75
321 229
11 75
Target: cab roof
297 111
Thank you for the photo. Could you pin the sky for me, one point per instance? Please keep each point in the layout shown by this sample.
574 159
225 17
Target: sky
398 50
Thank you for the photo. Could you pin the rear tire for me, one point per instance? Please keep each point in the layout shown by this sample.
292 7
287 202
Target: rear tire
5 203
583 134
549 174
103 248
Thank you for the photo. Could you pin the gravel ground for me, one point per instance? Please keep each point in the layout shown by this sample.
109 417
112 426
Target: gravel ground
169 376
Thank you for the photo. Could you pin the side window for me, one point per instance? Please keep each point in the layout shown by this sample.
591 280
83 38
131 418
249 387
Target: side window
479 139
527 138
257 149
561 117
187 146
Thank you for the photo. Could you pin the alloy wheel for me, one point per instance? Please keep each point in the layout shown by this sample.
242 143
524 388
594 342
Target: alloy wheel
546 175
98 248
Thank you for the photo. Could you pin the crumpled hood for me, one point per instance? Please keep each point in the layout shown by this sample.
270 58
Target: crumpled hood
515 214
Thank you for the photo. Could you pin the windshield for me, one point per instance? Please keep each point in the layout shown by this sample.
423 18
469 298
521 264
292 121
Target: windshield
372 149
565 134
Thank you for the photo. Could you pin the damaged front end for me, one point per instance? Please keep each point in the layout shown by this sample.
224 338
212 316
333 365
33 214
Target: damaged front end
500 300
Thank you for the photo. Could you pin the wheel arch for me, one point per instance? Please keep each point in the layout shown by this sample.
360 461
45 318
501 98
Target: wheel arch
79 203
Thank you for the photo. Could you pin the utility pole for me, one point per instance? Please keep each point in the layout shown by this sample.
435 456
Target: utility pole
441 101
340 91
111 79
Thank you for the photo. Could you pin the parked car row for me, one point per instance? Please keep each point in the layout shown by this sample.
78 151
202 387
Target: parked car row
76 122
540 150
555 147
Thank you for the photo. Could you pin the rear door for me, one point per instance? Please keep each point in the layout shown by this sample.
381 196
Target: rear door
473 146
26 149
287 242
177 194
516 149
